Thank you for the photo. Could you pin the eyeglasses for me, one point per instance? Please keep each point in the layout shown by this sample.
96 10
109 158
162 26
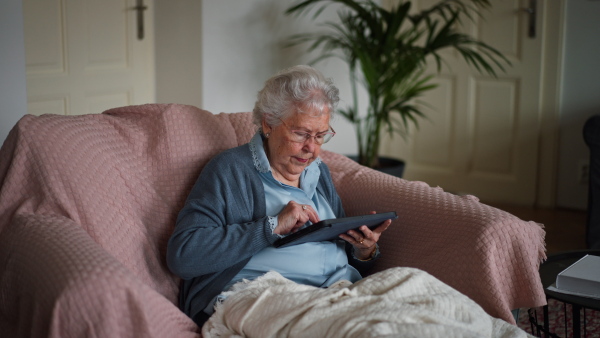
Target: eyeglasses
300 136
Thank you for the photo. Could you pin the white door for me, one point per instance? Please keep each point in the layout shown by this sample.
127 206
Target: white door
84 56
482 136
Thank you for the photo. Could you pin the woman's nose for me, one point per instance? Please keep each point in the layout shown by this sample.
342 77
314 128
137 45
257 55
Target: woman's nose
310 145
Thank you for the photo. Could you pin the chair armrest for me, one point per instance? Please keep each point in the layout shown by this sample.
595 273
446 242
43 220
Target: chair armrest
57 282
488 254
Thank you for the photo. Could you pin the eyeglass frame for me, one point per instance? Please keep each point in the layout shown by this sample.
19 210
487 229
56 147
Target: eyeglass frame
308 136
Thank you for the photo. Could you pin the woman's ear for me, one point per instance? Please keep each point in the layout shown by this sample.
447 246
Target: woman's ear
266 129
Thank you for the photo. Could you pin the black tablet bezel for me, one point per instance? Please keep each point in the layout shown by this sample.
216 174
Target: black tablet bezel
330 229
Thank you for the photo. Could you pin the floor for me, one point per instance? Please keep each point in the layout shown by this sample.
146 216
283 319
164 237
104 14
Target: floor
565 229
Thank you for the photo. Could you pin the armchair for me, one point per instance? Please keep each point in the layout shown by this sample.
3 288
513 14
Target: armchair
87 204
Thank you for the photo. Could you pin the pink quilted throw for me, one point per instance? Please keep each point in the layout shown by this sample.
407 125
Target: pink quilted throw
87 204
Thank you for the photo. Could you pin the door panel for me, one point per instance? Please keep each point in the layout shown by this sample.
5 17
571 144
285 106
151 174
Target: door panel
45 37
481 135
84 57
494 127
107 40
47 105
433 145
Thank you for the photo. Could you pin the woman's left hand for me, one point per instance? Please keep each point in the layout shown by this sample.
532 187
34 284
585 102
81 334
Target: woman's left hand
365 239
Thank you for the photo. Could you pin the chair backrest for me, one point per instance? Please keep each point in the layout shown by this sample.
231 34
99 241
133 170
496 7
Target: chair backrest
122 175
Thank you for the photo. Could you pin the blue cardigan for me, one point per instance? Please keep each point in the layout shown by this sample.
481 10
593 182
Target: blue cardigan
223 224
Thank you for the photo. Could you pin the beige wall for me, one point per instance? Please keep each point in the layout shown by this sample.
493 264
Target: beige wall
242 47
178 46
13 94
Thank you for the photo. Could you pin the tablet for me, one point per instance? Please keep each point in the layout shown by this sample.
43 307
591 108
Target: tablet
330 229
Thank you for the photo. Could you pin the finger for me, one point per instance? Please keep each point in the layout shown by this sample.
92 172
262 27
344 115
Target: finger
297 226
347 238
290 218
368 237
310 214
359 237
383 226
366 231
355 235
363 232
303 217
351 239
300 220
313 216
303 211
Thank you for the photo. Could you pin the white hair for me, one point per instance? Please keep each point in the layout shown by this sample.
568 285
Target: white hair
296 89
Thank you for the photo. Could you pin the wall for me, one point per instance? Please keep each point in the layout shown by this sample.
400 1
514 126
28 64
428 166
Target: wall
580 97
234 47
13 92
178 51
242 47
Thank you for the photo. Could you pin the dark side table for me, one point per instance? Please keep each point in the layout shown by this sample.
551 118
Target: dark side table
549 270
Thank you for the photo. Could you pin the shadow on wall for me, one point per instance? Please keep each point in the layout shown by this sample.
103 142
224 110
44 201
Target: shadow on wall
574 160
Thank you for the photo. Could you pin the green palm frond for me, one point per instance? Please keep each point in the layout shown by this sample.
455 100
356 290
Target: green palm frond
386 51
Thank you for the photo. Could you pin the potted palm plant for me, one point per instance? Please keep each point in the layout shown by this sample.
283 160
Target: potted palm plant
387 50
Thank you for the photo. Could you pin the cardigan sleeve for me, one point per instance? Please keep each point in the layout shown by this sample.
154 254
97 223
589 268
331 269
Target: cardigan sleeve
222 222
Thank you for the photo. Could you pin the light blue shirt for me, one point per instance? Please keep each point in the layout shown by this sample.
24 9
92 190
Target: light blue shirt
318 263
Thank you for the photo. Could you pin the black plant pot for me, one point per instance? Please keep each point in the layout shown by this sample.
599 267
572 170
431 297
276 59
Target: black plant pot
388 165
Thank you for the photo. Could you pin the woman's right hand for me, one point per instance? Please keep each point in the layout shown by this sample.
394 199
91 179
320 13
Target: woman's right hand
294 216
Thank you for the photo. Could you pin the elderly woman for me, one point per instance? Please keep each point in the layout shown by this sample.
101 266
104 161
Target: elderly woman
248 197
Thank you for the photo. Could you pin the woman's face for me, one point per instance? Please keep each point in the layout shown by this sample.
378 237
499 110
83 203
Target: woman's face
289 158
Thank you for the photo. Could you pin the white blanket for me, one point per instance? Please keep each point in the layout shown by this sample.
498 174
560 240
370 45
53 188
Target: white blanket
398 302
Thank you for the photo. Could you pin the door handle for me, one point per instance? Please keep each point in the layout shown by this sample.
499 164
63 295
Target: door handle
140 8
532 14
